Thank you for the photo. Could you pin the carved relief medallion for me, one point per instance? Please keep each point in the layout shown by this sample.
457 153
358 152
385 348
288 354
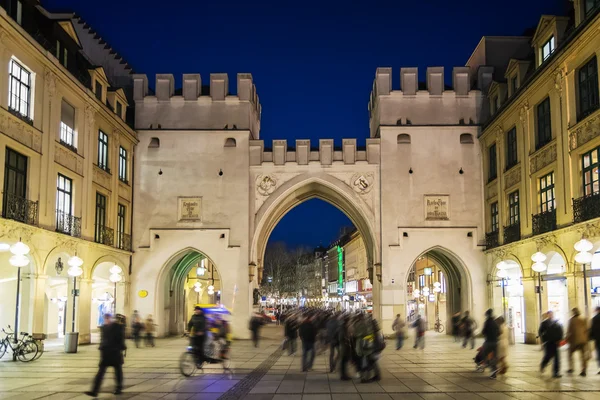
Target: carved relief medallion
362 183
266 184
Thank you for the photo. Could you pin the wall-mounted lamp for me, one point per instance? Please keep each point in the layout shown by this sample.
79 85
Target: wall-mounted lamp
160 171
156 237
59 266
220 172
461 171
404 234
251 271
410 171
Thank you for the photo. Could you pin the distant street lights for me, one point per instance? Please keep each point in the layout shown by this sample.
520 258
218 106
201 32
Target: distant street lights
19 259
539 267
584 257
74 270
115 277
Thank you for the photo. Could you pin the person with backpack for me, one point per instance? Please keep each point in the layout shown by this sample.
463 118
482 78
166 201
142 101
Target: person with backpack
332 328
399 327
468 325
551 334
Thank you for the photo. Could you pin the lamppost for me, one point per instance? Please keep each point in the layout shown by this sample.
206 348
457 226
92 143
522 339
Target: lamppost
503 275
115 277
19 259
197 289
75 270
584 257
538 266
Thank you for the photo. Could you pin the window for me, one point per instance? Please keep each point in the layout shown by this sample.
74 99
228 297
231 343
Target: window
514 85
547 200
98 90
121 212
119 109
544 126
493 173
100 217
548 48
494 105
15 175
494 216
64 204
513 208
590 5
403 138
421 280
103 151
67 124
588 88
589 170
61 53
511 148
20 89
15 10
123 164
466 138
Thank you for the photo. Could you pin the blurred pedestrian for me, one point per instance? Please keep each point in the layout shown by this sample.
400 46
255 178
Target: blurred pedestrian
419 325
372 351
577 338
197 329
112 344
491 333
595 335
256 322
502 349
456 326
308 334
332 339
399 327
551 334
345 339
136 328
467 326
291 334
149 327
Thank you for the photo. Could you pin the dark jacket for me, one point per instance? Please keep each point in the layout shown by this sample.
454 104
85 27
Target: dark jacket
333 327
291 329
550 331
112 343
197 323
490 331
595 329
467 325
308 332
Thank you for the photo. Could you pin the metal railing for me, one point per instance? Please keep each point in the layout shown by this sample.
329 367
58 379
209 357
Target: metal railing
544 222
123 241
491 240
586 207
20 209
512 233
104 235
67 223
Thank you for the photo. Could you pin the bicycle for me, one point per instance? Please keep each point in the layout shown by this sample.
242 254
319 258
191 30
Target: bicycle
24 351
38 339
438 327
215 352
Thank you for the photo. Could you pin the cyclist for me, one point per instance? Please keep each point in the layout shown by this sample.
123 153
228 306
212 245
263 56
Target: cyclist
197 329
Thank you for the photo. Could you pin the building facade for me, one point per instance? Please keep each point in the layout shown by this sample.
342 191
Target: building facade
66 153
540 143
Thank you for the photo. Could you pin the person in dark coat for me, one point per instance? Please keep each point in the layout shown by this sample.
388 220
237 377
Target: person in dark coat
345 340
291 334
551 334
468 325
197 328
112 344
491 333
456 326
332 328
136 328
595 334
256 322
308 334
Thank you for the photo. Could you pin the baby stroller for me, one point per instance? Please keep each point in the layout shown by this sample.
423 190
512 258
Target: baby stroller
482 362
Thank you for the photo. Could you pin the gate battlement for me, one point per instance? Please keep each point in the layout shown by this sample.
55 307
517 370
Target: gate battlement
303 154
196 106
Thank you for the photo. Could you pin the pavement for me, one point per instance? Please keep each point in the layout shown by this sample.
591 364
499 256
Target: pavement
443 371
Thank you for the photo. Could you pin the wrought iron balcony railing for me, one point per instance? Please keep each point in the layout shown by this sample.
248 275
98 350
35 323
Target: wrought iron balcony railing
491 240
67 223
512 233
123 241
586 207
20 209
104 235
544 222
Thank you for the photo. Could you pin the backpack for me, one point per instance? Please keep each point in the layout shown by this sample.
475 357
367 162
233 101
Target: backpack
554 333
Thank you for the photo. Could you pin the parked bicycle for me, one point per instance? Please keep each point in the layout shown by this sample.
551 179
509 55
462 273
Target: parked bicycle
215 352
438 327
23 350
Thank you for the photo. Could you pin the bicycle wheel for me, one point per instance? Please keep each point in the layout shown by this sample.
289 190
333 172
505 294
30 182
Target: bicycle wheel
440 328
26 351
40 345
2 348
187 364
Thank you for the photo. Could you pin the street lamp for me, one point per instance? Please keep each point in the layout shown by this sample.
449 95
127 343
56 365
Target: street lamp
19 259
503 274
538 266
75 270
115 277
197 289
584 257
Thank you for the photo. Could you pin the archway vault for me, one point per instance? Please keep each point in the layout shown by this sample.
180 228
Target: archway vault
324 187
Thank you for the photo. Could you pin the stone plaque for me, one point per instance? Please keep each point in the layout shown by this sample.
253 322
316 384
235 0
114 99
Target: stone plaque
437 207
190 208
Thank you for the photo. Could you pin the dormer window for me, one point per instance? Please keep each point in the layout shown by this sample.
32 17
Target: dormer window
15 10
98 90
61 53
548 48
495 105
590 5
514 85
119 109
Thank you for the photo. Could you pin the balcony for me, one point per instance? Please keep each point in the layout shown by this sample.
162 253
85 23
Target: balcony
586 208
68 224
512 233
20 209
544 222
123 241
491 240
104 235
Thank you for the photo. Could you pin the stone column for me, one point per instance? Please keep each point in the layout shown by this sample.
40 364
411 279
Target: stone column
532 310
39 303
84 308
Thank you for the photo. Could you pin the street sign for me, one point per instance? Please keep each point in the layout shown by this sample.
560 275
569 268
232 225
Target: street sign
537 290
75 292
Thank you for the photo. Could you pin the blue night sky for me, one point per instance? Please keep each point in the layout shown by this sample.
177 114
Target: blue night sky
313 62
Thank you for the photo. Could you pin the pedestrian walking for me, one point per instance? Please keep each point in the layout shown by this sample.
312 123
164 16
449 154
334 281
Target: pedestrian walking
419 325
456 326
308 334
291 334
502 350
399 327
149 327
551 334
577 338
595 335
332 339
468 330
345 339
197 329
489 349
112 344
256 322
136 328
372 348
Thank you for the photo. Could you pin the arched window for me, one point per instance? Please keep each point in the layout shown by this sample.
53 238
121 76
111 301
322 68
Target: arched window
403 138
466 138
154 143
230 142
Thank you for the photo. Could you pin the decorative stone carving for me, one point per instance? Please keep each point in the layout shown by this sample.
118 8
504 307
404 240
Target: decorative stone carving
513 176
50 83
546 241
101 177
362 183
543 157
558 80
68 159
492 190
499 133
20 131
90 115
266 184
585 132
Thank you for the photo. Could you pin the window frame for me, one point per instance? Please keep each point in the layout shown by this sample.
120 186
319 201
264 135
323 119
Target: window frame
121 223
118 108
551 43
67 133
100 217
494 217
98 89
514 84
12 81
123 164
590 169
513 208
103 150
492 162
65 193
547 187
512 156
543 132
587 89
588 8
